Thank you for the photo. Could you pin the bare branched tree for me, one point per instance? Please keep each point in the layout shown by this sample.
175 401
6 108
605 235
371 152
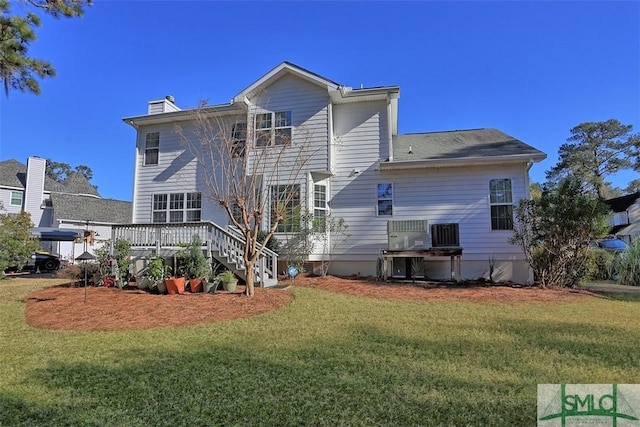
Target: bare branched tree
251 165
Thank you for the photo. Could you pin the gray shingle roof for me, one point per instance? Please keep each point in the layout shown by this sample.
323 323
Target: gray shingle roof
72 199
459 144
87 208
622 203
14 174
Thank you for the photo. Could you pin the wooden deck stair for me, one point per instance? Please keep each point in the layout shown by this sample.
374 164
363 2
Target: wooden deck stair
223 245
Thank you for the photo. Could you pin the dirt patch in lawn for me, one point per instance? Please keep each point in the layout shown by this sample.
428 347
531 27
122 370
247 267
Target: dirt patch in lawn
64 307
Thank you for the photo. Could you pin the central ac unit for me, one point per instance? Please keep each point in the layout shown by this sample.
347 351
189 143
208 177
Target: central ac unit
408 235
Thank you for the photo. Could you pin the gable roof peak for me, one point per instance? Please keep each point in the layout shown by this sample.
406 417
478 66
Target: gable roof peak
281 70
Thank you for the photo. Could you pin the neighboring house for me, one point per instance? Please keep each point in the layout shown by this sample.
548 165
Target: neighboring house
445 193
59 207
625 220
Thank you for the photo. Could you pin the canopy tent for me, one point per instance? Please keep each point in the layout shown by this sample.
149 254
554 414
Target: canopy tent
50 234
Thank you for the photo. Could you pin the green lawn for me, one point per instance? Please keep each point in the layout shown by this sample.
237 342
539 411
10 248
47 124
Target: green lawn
323 360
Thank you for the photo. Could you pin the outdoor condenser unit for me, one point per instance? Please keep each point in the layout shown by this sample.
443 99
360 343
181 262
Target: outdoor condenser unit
408 234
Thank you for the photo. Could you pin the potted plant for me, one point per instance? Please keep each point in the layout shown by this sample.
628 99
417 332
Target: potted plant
228 279
156 274
210 283
175 284
193 264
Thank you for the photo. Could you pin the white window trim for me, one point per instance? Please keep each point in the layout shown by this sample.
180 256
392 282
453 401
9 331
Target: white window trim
289 187
147 149
11 198
492 204
184 209
379 199
325 208
272 128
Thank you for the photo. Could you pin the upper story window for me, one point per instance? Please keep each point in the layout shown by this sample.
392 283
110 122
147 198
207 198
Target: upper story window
239 139
177 207
273 128
152 148
501 202
385 199
319 207
16 198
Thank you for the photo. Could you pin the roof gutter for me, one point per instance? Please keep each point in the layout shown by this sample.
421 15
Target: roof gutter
467 161
182 115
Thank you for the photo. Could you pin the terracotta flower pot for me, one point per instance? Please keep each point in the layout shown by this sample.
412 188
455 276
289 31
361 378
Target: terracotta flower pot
195 285
175 285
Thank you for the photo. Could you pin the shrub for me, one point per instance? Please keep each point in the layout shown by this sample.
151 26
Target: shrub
552 229
75 272
602 265
273 243
630 265
72 272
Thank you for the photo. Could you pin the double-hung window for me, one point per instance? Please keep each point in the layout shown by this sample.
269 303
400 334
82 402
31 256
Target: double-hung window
152 148
16 198
177 207
160 208
319 207
285 207
282 128
273 128
263 130
385 199
501 202
239 139
194 206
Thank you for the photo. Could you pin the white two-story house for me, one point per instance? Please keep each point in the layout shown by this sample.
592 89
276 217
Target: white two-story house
434 196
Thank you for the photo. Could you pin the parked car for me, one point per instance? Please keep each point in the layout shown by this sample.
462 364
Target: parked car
612 244
41 260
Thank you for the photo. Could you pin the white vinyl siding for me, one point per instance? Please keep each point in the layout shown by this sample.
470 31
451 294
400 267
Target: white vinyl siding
303 113
177 172
441 196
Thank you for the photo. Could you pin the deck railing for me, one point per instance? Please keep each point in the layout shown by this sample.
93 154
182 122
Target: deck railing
214 238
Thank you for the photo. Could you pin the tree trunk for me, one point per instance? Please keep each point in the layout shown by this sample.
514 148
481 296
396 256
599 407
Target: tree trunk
249 291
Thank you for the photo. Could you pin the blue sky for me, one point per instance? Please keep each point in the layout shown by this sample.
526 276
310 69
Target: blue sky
531 69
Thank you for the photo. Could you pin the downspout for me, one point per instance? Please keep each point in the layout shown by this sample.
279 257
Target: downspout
527 192
330 141
527 189
389 128
135 171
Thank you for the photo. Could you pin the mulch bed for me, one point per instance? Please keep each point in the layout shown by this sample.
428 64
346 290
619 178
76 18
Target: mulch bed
64 307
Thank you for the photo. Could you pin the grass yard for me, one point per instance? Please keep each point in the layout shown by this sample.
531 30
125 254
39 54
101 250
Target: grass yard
326 359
